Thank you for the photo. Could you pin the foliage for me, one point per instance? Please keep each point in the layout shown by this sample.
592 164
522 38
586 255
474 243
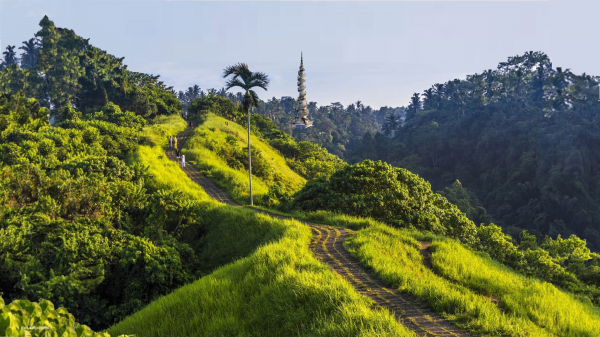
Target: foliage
519 295
337 128
394 257
77 225
564 262
521 138
218 105
467 202
68 74
392 195
280 289
40 319
308 159
220 151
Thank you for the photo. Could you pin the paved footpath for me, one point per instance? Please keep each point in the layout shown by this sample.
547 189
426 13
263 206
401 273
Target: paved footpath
328 246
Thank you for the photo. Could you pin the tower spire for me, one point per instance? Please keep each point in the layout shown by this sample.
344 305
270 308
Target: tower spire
301 120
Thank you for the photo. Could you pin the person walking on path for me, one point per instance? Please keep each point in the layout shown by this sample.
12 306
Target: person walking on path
177 155
171 142
175 141
182 160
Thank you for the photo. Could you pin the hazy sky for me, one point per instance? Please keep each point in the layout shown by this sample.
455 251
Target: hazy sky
376 52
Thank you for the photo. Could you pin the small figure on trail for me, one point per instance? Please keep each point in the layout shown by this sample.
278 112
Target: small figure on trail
175 142
182 160
177 155
170 142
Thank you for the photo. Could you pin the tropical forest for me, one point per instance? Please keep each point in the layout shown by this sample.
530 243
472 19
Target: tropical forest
131 208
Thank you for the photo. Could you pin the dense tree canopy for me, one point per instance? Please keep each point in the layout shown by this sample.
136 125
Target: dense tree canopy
77 225
523 138
63 71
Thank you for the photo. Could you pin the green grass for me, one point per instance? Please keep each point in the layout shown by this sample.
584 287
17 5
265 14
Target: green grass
266 282
165 173
235 182
465 282
161 127
394 256
559 312
279 290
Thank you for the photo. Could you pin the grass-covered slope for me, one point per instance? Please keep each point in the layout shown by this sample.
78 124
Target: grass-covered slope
465 286
220 151
165 173
266 282
279 290
557 311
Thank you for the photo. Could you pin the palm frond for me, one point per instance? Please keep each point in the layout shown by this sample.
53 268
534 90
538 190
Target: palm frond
240 69
255 99
235 82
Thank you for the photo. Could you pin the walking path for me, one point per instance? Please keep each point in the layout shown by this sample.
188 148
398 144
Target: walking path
328 246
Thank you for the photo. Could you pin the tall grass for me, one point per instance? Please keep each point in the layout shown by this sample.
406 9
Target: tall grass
279 290
165 174
394 256
161 127
541 302
270 285
235 182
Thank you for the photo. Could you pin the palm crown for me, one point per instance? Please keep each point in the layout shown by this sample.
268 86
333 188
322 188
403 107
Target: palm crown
246 79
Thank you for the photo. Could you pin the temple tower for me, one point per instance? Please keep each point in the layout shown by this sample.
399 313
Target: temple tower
301 120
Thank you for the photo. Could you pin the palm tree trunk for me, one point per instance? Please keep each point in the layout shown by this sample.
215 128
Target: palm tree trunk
249 157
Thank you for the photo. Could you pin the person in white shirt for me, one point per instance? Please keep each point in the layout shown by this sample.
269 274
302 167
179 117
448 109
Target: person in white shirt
182 160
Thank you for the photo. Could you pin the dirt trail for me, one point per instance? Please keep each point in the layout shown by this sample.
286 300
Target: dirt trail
328 246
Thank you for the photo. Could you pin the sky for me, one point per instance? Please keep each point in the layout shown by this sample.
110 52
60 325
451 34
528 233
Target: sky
377 52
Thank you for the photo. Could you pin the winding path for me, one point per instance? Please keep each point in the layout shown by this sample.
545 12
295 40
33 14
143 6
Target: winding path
328 246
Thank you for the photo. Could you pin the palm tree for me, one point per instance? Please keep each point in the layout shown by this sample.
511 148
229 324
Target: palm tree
195 91
30 52
10 56
246 80
428 96
392 123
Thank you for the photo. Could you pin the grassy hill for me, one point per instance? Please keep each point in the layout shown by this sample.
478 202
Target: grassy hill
470 289
220 151
267 282
261 279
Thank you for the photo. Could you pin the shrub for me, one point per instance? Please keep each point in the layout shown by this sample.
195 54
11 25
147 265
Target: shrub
393 195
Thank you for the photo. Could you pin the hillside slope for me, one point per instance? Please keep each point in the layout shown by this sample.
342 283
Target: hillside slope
273 285
219 149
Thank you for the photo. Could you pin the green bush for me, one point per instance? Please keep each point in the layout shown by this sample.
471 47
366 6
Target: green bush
25 318
393 195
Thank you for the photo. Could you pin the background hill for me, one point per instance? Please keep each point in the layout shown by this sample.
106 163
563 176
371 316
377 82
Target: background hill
523 139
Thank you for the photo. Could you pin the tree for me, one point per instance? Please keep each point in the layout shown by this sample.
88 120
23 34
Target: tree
59 61
30 52
10 56
428 99
415 105
392 123
245 79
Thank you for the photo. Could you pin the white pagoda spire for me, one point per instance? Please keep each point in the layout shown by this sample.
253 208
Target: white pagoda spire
301 120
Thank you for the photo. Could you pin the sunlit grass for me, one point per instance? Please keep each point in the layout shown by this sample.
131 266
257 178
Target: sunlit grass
394 256
279 290
235 182
165 173
541 302
267 281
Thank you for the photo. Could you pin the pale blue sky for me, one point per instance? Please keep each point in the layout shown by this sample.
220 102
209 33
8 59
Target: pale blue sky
376 52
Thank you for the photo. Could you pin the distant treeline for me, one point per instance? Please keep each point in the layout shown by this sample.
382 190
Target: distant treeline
337 128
